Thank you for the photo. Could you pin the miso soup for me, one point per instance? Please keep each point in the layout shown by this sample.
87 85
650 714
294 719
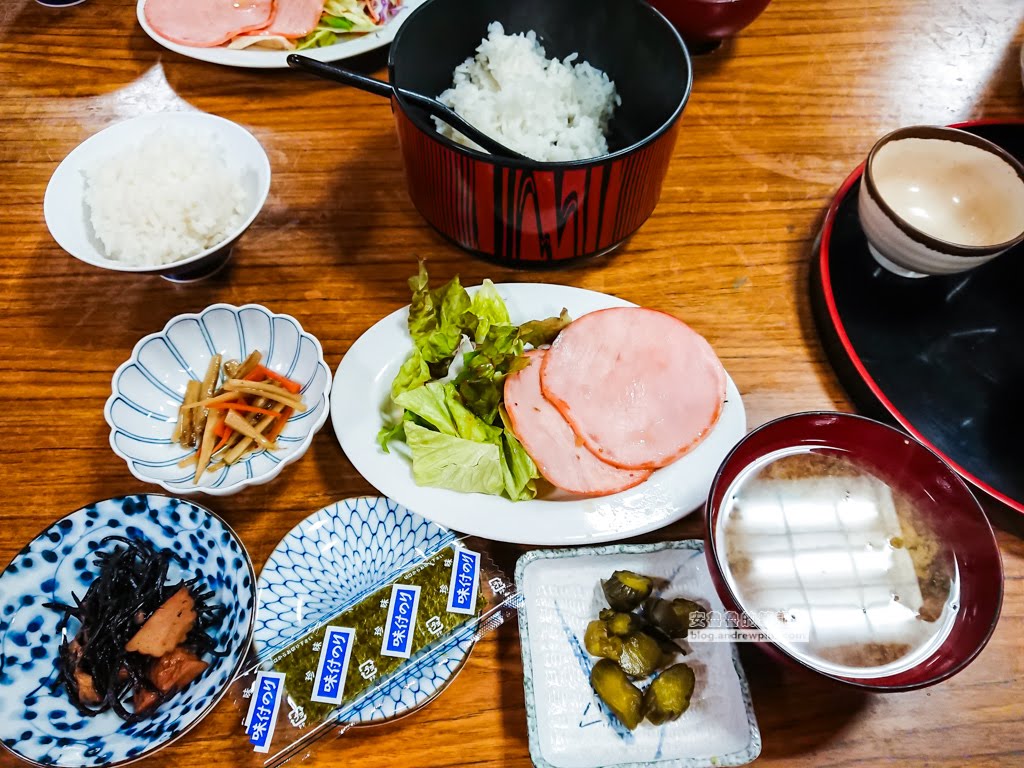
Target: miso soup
835 564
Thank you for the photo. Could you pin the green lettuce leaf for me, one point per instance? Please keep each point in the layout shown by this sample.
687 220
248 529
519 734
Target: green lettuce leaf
428 402
414 373
437 320
489 309
469 426
541 332
518 470
481 381
443 461
457 430
391 432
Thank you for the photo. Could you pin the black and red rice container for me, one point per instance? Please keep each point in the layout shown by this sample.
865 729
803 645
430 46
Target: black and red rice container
531 214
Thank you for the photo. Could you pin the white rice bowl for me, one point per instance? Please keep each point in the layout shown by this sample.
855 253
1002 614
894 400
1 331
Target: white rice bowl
546 109
165 198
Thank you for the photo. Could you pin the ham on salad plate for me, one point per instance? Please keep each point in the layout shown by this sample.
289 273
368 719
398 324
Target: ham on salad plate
260 34
657 490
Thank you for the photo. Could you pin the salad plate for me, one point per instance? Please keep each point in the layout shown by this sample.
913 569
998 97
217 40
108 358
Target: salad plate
361 392
567 723
346 47
334 558
38 722
935 355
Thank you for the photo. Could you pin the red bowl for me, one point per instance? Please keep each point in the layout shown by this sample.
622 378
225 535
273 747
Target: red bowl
940 496
533 214
705 21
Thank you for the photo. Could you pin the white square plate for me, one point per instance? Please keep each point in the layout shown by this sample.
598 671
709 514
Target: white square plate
568 728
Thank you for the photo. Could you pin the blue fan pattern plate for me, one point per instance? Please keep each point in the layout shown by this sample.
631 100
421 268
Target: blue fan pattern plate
37 721
333 559
149 387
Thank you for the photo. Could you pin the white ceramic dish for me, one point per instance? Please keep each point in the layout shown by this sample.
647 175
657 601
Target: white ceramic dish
362 388
352 45
64 207
568 728
148 388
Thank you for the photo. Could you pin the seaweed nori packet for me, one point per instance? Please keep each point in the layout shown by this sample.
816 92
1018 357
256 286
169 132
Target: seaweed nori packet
317 681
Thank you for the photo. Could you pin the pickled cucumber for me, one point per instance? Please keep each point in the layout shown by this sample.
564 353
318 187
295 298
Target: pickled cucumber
623 698
674 617
641 655
668 695
625 590
600 643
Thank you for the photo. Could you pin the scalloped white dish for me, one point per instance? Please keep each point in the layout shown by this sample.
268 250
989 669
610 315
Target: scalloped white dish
351 45
362 388
148 388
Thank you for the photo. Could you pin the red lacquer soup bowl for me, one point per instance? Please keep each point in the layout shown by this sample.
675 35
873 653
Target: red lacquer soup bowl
533 214
854 530
705 21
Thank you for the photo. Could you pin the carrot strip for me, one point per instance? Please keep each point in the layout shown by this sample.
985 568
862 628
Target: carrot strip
292 386
277 428
242 407
224 438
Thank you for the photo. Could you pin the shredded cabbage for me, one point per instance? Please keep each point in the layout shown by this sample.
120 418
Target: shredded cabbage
343 17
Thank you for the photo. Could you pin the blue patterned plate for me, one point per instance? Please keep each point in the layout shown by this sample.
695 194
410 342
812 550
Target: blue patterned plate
333 559
37 721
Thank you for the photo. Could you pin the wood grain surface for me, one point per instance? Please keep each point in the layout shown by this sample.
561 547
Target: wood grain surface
778 118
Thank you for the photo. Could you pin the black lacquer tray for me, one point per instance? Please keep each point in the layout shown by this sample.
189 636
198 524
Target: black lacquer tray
941 356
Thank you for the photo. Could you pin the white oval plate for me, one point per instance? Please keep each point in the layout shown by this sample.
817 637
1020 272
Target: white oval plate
361 391
354 45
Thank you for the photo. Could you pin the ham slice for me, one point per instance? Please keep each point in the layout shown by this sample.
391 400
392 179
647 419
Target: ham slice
559 455
639 387
206 23
295 18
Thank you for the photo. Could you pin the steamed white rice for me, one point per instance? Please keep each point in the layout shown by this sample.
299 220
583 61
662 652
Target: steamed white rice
546 109
164 199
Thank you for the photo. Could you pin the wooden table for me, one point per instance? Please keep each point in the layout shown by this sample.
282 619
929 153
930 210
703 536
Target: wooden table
777 119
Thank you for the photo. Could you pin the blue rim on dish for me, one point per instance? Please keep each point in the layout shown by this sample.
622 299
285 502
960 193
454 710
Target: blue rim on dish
332 560
695 546
148 388
38 723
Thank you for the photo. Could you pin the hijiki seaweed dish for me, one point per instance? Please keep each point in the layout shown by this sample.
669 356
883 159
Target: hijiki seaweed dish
140 638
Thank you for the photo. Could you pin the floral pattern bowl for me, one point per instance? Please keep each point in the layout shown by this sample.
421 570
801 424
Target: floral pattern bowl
149 387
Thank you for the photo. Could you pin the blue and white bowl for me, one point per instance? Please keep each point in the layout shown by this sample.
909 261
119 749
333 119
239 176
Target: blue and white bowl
149 387
332 560
37 720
